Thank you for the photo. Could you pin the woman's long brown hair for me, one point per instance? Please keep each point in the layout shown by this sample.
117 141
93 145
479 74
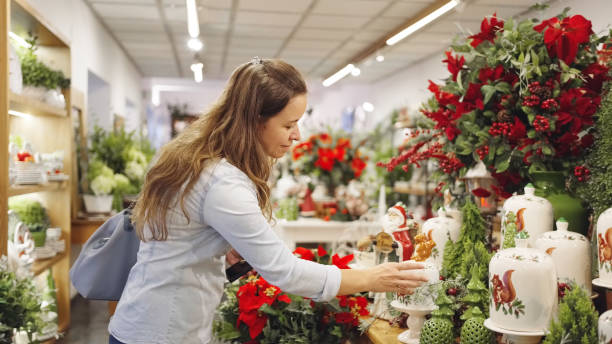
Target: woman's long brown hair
256 91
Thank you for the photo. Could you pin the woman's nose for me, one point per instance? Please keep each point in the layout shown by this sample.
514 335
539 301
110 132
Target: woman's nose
295 135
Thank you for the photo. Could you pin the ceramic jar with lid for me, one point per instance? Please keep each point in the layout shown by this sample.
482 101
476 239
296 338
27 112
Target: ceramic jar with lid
523 286
604 327
571 253
425 295
533 214
604 246
439 229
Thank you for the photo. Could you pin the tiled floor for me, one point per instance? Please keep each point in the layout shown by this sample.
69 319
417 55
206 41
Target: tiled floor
89 322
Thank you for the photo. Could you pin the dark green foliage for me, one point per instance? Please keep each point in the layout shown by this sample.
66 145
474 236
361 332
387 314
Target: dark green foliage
19 306
110 146
577 321
596 190
469 250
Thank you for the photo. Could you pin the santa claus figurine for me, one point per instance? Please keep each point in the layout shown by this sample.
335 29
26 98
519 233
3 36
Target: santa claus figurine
397 223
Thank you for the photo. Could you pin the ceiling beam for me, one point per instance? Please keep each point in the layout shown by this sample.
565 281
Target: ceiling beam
297 26
228 36
162 15
350 38
113 36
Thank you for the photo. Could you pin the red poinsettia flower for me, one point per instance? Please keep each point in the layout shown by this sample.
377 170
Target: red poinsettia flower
453 64
491 74
339 154
343 300
321 252
254 321
518 131
480 192
344 317
488 30
357 165
342 263
595 74
304 253
284 298
562 37
343 143
325 138
326 159
443 98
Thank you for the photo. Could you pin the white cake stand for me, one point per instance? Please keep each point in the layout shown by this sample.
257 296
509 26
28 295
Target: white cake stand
601 283
416 318
516 337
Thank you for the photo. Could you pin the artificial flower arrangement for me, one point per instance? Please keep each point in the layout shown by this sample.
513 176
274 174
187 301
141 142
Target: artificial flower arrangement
333 160
258 312
521 98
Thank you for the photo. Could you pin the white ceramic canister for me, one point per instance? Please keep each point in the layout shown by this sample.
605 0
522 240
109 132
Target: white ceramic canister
440 229
523 285
604 328
533 214
571 253
604 245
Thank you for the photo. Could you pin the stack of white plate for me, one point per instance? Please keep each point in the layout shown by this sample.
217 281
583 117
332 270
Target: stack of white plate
29 173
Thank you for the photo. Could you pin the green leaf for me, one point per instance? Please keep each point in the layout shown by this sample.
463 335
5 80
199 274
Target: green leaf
503 87
502 166
488 91
531 133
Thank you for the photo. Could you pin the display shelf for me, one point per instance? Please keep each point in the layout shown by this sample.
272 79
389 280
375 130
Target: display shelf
17 190
42 265
48 129
34 107
380 332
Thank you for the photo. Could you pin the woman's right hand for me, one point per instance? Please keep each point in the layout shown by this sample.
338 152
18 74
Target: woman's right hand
388 277
397 277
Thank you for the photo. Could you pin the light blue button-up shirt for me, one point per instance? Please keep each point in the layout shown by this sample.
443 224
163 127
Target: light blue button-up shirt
176 285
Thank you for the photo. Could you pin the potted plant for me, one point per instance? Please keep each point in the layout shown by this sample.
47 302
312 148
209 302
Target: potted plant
117 167
33 215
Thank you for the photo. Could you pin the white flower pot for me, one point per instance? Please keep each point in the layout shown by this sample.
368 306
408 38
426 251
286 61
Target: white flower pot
98 204
571 253
533 214
523 285
604 246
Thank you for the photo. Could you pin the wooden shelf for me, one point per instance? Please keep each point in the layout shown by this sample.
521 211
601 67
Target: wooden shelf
380 332
34 107
410 190
42 265
17 190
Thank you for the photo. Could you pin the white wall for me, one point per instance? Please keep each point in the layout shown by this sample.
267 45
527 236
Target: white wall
93 49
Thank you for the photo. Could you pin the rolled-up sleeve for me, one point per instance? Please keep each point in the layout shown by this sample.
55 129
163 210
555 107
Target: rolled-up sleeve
231 208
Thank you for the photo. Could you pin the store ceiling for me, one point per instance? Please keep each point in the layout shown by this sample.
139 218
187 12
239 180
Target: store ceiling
317 36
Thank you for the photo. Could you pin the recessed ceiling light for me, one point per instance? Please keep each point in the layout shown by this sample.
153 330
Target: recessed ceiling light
356 71
195 44
380 58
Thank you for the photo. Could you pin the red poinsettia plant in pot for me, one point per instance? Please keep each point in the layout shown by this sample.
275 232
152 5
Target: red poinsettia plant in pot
520 98
257 312
332 159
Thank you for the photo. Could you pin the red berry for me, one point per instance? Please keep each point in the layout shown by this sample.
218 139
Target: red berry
452 291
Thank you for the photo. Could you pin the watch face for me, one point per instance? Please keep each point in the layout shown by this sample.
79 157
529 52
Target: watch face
15 78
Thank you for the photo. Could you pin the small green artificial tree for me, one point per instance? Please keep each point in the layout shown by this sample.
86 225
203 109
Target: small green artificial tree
577 321
469 250
477 297
439 329
509 230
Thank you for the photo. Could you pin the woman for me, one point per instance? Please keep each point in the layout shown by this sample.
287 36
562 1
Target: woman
207 192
